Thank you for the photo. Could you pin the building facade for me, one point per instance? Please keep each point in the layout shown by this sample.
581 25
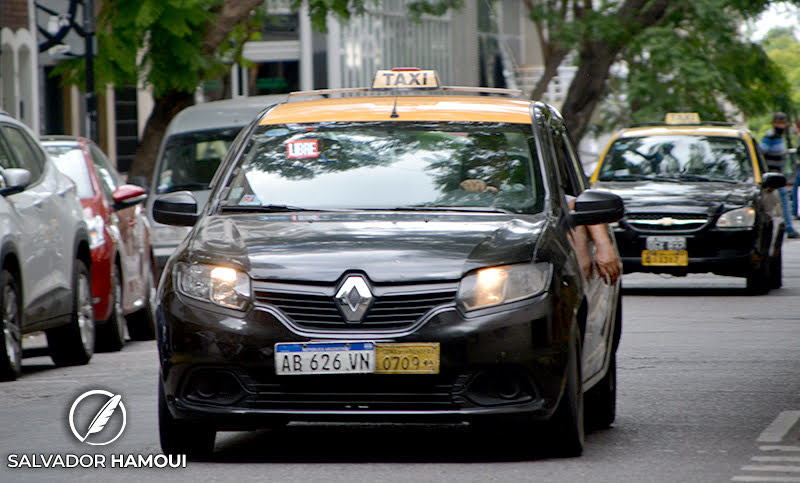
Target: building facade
19 66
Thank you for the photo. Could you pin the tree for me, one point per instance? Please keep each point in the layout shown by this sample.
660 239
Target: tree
702 66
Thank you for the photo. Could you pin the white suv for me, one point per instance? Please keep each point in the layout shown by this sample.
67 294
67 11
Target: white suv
44 255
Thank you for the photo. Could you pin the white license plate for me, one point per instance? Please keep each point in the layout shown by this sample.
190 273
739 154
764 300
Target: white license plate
657 243
325 358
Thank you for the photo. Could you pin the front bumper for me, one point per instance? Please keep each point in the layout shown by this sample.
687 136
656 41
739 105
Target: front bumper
722 252
506 363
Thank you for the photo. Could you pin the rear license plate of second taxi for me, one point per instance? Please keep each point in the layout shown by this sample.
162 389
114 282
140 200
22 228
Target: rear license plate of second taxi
325 358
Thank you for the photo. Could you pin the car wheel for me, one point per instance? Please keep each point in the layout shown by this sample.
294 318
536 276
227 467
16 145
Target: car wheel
601 400
193 439
111 333
142 323
758 281
776 270
566 425
73 344
11 325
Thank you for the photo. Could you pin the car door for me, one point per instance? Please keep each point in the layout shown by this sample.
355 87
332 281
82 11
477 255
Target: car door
40 246
132 250
600 296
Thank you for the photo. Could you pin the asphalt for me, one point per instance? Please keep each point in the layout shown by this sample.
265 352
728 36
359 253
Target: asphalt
705 371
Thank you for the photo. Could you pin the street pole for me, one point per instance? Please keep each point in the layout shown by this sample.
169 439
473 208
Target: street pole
91 99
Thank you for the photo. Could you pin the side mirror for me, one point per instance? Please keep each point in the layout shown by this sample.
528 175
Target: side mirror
178 209
773 180
128 195
594 207
16 180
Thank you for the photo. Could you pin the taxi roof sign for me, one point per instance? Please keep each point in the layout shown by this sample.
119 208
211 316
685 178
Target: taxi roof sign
682 118
406 78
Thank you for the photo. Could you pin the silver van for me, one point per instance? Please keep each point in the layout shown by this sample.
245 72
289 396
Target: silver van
195 143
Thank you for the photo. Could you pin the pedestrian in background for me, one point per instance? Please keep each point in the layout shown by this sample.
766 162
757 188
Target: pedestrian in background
774 147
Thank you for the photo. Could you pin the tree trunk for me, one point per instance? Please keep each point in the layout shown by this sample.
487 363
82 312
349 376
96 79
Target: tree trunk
230 14
551 65
596 58
166 107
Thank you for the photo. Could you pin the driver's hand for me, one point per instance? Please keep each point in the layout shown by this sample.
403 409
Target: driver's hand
608 265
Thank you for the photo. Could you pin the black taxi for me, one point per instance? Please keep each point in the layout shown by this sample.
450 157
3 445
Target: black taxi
697 199
393 253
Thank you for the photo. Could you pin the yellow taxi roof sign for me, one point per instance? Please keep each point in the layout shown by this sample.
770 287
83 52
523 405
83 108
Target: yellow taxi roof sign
406 78
682 118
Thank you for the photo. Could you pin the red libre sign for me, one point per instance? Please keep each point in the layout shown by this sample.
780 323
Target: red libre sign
302 149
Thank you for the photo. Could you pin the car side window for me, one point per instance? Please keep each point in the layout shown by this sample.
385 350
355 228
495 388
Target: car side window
570 181
109 179
23 150
6 159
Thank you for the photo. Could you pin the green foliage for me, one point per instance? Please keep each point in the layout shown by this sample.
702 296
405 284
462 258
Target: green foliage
697 61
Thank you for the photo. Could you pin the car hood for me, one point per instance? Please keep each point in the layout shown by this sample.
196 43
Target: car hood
688 197
386 247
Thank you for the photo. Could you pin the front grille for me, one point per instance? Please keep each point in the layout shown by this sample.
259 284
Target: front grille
666 222
354 392
389 311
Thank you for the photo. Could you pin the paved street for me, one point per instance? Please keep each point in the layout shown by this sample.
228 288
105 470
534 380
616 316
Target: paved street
708 391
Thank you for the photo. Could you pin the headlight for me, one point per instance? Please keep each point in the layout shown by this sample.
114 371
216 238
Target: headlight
97 229
740 218
500 285
223 286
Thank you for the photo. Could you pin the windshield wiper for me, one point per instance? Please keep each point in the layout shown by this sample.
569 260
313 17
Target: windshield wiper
624 177
471 209
264 208
700 177
185 187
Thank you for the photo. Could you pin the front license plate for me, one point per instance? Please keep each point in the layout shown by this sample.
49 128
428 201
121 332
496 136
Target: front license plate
665 258
325 358
656 243
407 358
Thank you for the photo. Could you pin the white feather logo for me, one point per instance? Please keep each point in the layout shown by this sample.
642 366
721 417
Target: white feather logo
101 419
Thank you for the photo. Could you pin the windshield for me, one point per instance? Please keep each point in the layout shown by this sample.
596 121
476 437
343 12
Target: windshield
70 161
691 157
191 159
393 165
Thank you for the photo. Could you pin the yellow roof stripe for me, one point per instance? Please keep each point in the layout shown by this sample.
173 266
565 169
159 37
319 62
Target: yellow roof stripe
409 108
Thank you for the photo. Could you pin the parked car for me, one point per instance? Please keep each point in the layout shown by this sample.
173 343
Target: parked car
45 280
195 143
123 284
389 257
698 199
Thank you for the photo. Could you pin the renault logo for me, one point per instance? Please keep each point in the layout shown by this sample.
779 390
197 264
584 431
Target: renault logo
354 298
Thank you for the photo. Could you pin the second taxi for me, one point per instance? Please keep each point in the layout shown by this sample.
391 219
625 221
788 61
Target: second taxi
697 199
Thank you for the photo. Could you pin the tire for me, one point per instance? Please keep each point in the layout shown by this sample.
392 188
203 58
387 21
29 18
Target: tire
601 400
11 327
193 439
759 280
566 425
73 344
142 323
111 333
776 270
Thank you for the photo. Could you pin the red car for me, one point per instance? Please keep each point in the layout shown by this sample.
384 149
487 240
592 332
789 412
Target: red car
123 285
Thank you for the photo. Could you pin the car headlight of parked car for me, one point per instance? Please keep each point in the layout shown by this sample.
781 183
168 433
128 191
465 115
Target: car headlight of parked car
223 286
492 286
739 218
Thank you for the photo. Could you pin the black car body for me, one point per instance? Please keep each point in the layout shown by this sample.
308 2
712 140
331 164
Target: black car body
382 277
715 210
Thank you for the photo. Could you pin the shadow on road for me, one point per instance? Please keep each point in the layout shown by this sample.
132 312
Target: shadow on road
370 444
686 291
